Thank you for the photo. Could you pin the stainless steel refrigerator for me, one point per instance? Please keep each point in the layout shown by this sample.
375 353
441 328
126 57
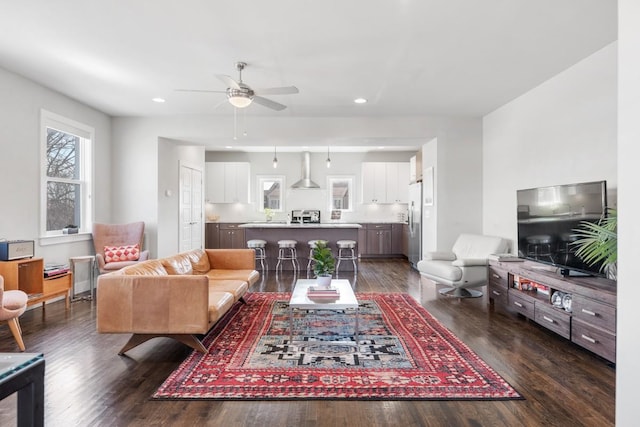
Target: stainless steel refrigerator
415 223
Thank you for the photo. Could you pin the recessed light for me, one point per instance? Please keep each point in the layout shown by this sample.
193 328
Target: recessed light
228 147
158 100
360 101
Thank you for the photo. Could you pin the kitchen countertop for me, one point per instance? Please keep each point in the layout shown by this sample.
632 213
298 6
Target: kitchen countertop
297 225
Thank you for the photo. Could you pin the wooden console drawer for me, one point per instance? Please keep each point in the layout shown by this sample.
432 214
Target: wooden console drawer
521 305
498 277
57 284
551 318
595 339
594 313
498 294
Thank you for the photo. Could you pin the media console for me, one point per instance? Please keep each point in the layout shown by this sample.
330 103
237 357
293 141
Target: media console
581 309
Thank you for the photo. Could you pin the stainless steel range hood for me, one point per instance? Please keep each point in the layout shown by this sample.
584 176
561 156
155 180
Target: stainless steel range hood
305 182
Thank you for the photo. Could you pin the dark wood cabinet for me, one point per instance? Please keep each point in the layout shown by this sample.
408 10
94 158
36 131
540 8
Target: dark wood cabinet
378 239
231 236
381 240
588 318
405 240
212 235
224 235
397 244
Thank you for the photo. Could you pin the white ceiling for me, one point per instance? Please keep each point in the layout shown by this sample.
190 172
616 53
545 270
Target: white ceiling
407 57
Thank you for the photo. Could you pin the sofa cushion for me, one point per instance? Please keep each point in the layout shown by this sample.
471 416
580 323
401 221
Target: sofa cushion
121 253
199 261
235 287
249 276
151 267
178 264
219 304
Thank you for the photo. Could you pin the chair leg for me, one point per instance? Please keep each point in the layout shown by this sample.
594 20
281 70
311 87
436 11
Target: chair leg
14 325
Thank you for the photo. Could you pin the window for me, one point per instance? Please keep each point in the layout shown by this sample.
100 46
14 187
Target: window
66 174
340 193
270 191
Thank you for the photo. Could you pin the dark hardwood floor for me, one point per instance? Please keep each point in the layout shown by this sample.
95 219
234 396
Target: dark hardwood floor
88 384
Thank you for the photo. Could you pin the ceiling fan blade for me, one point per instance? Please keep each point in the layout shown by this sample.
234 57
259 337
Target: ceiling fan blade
286 90
268 103
228 81
200 90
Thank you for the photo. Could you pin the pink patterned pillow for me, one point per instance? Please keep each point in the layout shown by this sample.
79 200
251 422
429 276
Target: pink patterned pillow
121 253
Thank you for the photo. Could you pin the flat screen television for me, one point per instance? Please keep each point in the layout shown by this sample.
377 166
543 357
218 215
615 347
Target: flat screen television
547 218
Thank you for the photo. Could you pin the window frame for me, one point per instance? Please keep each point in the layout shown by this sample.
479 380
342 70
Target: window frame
350 184
262 178
86 134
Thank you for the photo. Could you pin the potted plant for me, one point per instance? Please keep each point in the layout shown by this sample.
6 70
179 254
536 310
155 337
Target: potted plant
598 243
324 263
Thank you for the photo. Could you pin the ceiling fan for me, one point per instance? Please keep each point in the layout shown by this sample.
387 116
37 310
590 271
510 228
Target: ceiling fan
241 95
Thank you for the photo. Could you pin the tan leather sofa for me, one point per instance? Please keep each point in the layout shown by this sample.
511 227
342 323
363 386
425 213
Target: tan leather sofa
179 297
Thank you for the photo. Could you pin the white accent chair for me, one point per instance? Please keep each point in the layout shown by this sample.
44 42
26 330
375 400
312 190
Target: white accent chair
464 267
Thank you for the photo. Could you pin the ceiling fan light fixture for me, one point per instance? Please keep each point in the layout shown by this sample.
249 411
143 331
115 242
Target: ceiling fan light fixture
240 100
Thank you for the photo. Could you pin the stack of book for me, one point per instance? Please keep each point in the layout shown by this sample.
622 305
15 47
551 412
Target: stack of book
52 270
314 292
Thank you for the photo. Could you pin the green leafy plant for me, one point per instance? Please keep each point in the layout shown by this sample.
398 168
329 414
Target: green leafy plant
598 242
324 262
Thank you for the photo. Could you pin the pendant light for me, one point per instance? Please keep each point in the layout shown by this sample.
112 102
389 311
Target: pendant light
275 158
328 158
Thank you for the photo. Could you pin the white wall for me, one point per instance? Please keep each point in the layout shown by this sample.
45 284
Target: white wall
456 158
20 106
170 155
628 315
560 132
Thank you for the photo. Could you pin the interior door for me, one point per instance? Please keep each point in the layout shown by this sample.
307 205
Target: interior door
191 208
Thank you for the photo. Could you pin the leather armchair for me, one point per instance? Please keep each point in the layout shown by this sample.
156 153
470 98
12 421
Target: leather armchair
465 266
117 235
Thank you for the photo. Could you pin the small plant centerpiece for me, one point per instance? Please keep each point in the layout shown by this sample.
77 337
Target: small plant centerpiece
598 243
268 213
324 264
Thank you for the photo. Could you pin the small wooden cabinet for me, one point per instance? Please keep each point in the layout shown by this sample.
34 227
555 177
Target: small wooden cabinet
590 320
212 235
381 240
397 241
28 275
232 236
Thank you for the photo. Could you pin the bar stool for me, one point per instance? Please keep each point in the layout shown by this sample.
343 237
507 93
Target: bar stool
347 252
540 246
312 245
90 259
287 252
259 246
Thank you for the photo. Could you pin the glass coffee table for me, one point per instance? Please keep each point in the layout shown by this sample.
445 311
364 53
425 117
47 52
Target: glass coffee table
346 300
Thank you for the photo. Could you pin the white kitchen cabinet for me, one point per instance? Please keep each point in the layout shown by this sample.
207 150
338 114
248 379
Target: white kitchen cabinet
214 182
385 182
397 182
227 182
374 186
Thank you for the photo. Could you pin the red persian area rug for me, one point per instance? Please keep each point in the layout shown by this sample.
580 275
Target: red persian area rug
402 353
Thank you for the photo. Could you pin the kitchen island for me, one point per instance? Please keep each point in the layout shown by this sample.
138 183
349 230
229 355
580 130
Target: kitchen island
271 232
